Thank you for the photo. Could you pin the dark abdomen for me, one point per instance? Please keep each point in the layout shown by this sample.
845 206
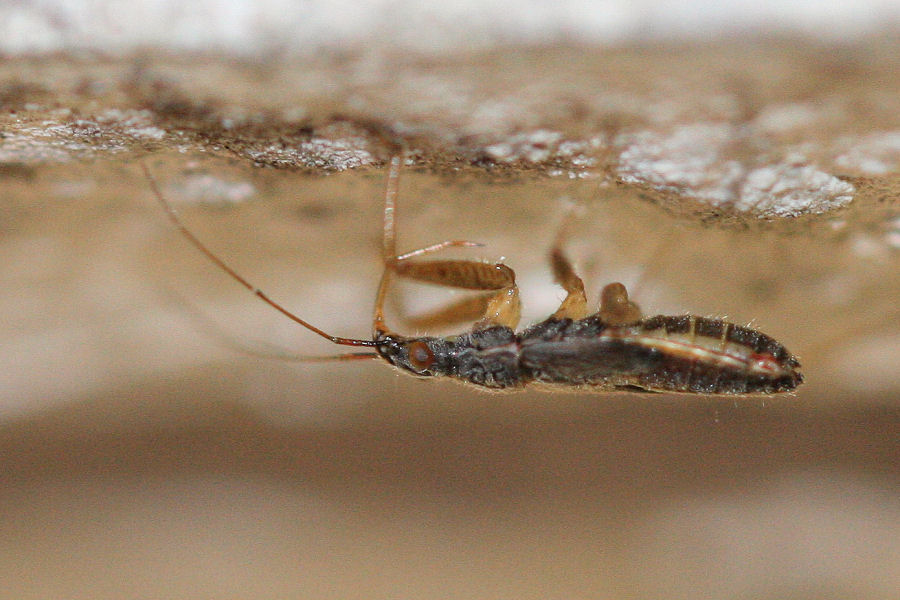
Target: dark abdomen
681 354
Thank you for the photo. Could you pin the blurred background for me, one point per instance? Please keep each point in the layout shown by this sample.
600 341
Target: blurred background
727 160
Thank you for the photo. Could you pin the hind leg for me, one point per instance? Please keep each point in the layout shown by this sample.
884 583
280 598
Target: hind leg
615 307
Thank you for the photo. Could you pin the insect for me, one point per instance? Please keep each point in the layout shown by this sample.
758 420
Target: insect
614 348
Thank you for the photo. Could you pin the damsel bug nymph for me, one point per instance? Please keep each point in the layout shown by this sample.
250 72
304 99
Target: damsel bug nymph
614 348
681 353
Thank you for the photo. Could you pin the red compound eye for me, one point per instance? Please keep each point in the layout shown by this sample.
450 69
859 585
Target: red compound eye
420 356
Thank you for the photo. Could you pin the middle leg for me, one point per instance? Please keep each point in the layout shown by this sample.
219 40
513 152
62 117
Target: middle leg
574 306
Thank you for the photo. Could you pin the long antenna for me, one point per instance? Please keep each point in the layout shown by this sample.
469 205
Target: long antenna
173 216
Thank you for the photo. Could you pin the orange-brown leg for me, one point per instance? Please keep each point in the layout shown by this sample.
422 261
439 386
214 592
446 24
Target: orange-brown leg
574 306
615 307
502 308
466 309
